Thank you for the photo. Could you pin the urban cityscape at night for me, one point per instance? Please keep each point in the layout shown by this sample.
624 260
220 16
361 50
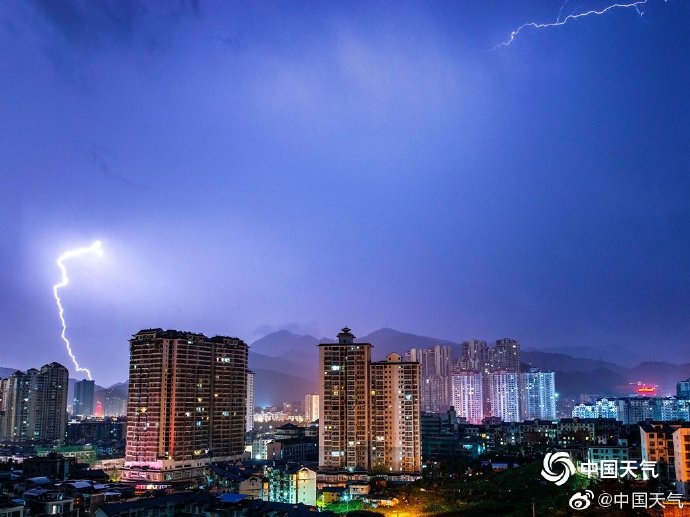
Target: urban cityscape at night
358 258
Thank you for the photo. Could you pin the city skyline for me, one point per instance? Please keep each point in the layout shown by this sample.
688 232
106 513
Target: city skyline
241 164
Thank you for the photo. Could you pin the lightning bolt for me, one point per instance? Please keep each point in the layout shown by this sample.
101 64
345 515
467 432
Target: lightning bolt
631 5
97 250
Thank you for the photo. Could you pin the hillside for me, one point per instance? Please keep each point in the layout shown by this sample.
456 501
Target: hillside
566 363
387 340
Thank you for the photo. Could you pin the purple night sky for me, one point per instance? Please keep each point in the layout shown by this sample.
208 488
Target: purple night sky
257 166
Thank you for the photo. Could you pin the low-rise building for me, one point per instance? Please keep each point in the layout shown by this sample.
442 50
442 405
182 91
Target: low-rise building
12 508
46 501
53 465
187 503
297 449
599 453
291 483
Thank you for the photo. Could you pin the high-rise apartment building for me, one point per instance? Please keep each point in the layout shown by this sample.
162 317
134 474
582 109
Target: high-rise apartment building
395 423
504 395
505 355
187 404
632 410
20 422
468 395
82 402
311 408
683 389
602 408
477 356
4 394
434 383
474 356
369 411
35 404
250 401
53 384
344 427
538 395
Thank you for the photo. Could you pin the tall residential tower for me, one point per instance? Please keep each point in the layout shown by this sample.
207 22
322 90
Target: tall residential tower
434 383
187 404
344 427
35 405
82 403
395 425
369 411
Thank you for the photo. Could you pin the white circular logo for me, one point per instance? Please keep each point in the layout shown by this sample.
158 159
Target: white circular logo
581 500
557 467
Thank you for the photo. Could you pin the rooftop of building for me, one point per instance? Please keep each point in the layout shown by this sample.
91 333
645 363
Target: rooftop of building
345 338
288 427
287 509
291 468
394 359
7 504
656 427
154 502
159 333
297 441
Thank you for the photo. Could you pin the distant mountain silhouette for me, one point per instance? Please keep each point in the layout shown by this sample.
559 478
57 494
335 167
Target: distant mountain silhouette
664 374
287 346
387 340
566 363
304 366
119 388
6 372
599 382
610 353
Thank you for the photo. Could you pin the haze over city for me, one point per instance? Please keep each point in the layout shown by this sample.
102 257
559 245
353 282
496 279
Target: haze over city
251 168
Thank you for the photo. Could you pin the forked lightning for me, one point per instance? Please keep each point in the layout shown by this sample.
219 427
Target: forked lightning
636 6
97 250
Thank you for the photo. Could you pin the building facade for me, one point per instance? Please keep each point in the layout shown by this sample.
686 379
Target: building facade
681 450
250 401
656 446
505 355
395 426
311 408
435 376
538 395
602 408
187 404
474 356
632 410
83 400
504 395
291 483
344 427
369 411
35 405
468 395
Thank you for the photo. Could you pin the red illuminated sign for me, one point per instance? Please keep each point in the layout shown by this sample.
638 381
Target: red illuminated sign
646 389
